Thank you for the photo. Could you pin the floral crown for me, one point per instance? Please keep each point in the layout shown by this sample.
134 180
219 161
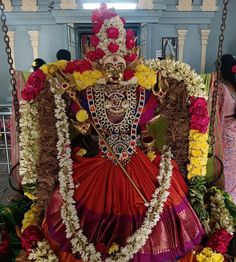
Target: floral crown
110 36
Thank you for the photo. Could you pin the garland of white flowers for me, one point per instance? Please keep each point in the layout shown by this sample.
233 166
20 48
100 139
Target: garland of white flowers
42 253
179 71
69 215
29 147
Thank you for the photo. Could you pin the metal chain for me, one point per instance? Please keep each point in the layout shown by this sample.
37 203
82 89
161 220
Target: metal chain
216 82
11 68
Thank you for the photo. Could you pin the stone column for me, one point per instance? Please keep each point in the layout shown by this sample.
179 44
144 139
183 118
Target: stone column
68 4
145 4
209 5
184 5
8 6
29 5
11 35
34 38
204 41
181 39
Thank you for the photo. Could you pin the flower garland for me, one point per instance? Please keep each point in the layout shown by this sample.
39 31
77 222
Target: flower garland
181 72
199 118
42 252
29 152
208 255
220 216
31 217
78 240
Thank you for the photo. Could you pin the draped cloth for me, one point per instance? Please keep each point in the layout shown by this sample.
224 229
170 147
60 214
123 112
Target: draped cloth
110 210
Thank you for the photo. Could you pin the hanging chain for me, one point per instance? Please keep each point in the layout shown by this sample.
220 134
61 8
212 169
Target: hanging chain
11 68
216 82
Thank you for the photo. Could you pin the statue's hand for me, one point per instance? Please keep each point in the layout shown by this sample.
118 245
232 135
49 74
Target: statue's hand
83 128
62 82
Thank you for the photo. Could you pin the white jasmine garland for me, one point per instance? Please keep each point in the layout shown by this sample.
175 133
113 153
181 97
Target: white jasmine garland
29 147
42 253
74 233
180 71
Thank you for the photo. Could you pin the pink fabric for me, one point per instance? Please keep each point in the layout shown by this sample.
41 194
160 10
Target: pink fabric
227 105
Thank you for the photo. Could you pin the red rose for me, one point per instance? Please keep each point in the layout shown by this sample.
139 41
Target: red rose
91 55
112 47
129 33
71 67
199 123
94 40
113 32
130 43
234 69
198 106
199 118
128 74
130 57
95 16
83 66
97 27
30 236
220 240
99 53
108 14
29 92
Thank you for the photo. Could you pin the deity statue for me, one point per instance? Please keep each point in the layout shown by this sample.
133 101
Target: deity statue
108 193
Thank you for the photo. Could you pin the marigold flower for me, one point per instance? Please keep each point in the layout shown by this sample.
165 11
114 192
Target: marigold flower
82 116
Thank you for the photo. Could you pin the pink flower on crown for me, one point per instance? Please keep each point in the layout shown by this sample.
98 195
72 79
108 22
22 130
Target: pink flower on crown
113 32
94 40
130 57
112 47
96 28
129 33
130 43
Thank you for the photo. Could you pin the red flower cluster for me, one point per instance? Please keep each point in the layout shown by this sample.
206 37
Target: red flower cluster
113 32
128 74
233 69
99 15
98 53
113 47
199 118
220 240
30 236
34 85
77 66
130 57
94 40
130 41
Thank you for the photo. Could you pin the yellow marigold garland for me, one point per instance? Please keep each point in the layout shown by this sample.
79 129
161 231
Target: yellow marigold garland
146 77
208 255
198 152
31 217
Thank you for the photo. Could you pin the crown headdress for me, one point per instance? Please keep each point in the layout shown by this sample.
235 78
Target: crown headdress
110 36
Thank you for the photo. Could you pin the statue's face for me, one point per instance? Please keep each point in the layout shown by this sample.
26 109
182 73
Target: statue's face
114 66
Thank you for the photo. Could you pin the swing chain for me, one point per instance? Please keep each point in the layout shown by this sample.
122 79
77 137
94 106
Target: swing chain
11 68
217 80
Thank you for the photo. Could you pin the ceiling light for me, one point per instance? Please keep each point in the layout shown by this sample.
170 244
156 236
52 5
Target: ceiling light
110 5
